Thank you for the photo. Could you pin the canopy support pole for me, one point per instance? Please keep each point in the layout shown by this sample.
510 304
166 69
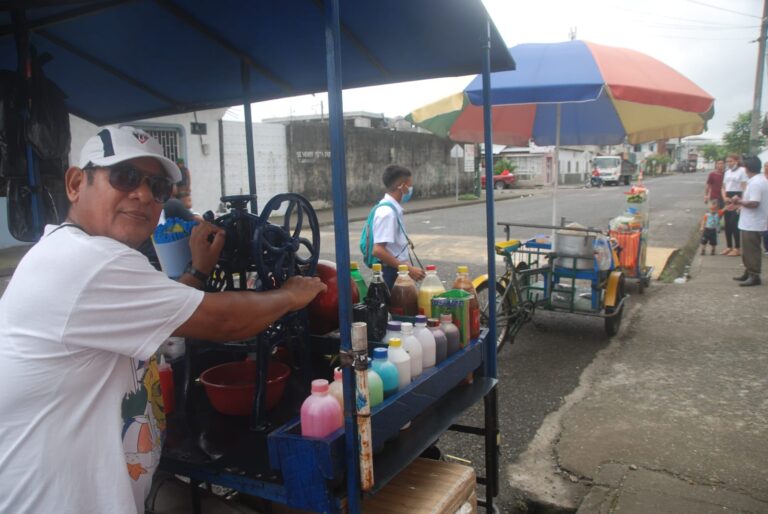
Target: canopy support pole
245 75
490 339
340 228
558 116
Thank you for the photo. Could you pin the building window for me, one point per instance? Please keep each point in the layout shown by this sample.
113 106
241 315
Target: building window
170 139
577 166
569 166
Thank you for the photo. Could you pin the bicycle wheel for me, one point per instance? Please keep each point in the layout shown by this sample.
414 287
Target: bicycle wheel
503 312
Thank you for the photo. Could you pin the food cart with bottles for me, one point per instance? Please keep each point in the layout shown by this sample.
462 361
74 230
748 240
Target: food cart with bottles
197 55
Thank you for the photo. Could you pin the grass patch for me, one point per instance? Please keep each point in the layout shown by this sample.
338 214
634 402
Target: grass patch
468 196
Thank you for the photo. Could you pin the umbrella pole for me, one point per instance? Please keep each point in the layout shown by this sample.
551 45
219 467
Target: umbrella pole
557 164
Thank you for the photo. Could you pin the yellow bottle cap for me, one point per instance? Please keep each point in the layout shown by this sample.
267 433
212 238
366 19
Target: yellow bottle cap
402 267
353 265
463 269
395 341
376 266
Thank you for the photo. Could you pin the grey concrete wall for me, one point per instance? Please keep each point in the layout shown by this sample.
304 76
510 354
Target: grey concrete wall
368 152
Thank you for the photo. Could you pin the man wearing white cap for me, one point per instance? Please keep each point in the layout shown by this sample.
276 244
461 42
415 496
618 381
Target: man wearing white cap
82 308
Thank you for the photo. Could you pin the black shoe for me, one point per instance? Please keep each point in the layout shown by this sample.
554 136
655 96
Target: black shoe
753 280
742 278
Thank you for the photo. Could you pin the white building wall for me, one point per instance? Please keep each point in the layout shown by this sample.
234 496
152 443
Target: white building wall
270 155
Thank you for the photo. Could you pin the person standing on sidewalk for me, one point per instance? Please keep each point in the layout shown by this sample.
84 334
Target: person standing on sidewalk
753 221
714 188
734 181
390 242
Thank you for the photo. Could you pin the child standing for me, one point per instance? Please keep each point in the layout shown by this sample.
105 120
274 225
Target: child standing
709 224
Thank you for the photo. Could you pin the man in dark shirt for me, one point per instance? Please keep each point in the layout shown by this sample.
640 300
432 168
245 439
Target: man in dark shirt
713 191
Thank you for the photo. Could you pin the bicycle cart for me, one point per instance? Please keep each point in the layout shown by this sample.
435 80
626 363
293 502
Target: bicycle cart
630 229
579 274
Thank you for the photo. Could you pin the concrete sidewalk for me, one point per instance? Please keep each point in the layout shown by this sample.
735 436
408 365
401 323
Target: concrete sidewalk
673 416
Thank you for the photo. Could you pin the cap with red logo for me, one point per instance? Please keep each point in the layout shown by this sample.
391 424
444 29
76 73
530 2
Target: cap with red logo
113 145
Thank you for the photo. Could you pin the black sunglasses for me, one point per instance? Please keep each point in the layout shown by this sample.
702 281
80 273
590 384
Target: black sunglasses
126 178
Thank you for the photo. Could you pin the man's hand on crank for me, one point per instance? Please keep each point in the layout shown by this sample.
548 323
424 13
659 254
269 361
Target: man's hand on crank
302 290
205 243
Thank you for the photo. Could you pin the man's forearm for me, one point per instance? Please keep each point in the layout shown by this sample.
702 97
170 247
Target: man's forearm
236 315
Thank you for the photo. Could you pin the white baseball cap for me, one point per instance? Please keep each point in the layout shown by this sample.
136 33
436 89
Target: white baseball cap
113 145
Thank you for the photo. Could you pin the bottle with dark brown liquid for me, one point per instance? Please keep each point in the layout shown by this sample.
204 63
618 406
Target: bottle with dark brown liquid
403 300
377 301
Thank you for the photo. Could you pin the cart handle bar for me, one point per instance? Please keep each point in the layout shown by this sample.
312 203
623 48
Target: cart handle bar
550 227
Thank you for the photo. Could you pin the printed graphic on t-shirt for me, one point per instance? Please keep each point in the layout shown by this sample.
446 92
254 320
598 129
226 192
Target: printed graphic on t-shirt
143 425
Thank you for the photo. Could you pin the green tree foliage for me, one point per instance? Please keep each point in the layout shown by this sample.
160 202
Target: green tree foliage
713 152
737 139
503 164
657 163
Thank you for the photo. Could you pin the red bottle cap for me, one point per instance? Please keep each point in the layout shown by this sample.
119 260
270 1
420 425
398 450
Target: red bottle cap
320 386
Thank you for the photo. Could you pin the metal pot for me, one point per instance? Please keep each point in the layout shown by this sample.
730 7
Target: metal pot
573 244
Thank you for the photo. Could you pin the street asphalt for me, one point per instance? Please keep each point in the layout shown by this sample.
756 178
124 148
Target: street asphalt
671 417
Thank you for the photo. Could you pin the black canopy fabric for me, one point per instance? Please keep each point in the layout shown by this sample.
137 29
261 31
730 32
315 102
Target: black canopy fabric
121 60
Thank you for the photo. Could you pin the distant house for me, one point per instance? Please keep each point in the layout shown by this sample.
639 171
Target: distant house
534 165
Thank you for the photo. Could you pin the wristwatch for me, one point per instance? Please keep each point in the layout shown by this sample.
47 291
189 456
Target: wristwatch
199 275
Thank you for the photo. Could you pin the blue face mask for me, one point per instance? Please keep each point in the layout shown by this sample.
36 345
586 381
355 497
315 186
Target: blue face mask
407 196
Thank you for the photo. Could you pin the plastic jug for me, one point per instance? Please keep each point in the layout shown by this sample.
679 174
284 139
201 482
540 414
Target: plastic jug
375 386
441 342
464 282
451 332
412 345
386 370
354 272
377 301
397 355
393 330
403 300
336 390
427 340
320 412
430 286
166 385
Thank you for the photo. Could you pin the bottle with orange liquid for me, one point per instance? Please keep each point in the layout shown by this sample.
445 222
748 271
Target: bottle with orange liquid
430 286
464 282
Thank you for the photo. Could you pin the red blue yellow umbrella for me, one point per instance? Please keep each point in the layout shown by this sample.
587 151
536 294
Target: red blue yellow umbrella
606 95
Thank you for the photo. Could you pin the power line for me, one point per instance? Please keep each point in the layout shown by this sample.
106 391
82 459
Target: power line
723 9
655 15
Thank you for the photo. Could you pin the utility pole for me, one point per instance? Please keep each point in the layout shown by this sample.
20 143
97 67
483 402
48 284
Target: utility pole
754 127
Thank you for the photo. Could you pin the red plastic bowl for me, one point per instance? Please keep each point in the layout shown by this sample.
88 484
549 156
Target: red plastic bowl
231 387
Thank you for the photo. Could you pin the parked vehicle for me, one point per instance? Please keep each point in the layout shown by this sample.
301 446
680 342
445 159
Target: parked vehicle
504 180
614 169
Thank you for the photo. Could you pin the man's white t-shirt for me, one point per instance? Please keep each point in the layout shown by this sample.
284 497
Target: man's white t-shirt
387 229
733 179
76 316
756 219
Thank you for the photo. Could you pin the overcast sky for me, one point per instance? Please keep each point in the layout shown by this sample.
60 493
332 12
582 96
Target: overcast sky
712 42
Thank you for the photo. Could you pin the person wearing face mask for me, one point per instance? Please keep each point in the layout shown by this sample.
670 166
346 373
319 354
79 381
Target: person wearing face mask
389 235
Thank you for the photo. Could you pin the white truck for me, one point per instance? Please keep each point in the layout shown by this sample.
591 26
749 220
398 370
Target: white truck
614 169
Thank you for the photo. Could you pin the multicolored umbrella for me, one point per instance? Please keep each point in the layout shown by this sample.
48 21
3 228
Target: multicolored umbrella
606 95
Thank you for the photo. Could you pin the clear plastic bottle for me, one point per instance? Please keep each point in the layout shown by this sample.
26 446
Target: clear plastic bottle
403 299
354 271
430 286
336 390
375 386
386 370
412 345
451 332
464 282
377 301
397 355
427 340
320 413
441 342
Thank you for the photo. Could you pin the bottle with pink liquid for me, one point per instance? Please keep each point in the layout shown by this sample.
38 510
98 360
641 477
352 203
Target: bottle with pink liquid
320 412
